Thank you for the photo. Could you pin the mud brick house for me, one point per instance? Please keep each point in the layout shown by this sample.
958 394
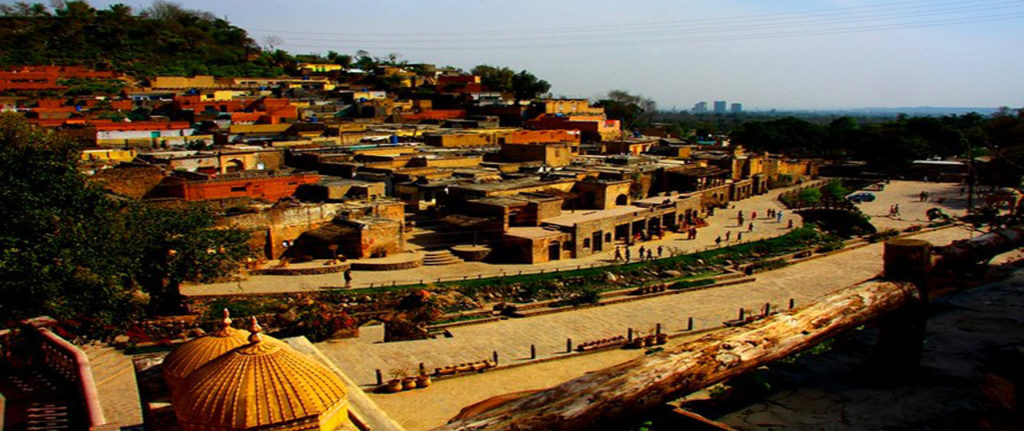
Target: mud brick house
355 239
268 186
130 181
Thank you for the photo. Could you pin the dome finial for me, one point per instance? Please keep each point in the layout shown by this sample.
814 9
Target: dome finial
226 322
255 329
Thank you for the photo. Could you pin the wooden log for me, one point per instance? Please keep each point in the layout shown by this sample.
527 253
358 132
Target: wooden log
984 247
604 396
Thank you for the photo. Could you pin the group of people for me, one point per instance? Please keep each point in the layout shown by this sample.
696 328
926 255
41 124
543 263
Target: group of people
894 210
644 254
770 214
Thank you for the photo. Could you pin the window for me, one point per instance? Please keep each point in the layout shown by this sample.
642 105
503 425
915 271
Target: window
567 245
238 189
586 242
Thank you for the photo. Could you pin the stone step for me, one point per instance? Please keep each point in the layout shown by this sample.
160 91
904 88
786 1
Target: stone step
440 257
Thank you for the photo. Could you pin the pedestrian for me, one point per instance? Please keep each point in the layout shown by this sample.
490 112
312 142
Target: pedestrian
694 232
739 236
790 226
348 277
650 254
728 234
660 250
751 227
641 252
627 254
718 241
778 217
923 196
753 215
896 210
740 221
618 254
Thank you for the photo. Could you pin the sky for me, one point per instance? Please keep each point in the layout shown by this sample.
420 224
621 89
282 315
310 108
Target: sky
779 54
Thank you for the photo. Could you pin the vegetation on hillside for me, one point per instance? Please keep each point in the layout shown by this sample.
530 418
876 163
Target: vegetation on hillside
164 39
71 251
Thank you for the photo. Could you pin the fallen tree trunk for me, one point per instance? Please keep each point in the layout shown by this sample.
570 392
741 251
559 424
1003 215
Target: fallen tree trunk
984 247
604 396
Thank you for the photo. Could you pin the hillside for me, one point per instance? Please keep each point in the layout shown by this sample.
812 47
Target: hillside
164 39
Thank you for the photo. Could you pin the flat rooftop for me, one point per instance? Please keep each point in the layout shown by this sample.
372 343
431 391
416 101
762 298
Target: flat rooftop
532 232
569 219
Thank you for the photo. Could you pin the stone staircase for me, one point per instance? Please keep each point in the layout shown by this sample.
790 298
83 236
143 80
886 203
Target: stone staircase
440 257
114 375
40 401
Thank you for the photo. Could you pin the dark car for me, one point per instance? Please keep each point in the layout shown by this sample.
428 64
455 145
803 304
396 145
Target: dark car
861 197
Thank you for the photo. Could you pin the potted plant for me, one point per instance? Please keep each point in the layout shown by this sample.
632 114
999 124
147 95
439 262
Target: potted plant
662 338
395 384
422 381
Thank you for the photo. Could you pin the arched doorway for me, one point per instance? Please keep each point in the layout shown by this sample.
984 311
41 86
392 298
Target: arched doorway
234 165
621 200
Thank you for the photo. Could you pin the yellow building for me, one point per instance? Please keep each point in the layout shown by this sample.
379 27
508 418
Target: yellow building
182 82
570 106
108 154
320 67
262 385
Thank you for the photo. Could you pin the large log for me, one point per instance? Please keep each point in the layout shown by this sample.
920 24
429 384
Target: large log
983 247
602 397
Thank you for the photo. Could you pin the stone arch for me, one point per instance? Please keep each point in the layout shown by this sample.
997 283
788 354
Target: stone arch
234 165
621 199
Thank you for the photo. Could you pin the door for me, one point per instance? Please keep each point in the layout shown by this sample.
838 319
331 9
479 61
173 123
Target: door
596 239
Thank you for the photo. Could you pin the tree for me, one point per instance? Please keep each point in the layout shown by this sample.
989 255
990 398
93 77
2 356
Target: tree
634 111
526 86
495 78
69 250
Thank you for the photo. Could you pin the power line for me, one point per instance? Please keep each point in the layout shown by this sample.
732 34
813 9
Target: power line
959 12
707 39
610 27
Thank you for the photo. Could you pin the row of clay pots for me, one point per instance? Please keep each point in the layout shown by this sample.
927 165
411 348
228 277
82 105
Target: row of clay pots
650 340
407 383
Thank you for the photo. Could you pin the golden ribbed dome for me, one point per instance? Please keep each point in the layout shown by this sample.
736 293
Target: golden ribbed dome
260 384
196 353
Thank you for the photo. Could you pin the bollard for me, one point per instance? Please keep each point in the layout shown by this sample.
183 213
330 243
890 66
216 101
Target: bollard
568 345
380 378
629 335
657 329
741 313
423 369
494 355
792 303
533 352
767 308
479 276
421 281
689 324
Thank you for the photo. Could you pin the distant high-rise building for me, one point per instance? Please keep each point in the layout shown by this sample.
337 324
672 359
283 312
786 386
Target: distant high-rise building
700 107
719 106
736 108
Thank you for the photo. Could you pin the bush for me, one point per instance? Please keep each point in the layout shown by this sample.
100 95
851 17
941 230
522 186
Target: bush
686 284
883 235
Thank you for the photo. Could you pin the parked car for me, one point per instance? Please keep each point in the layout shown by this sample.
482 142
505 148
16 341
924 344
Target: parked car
861 197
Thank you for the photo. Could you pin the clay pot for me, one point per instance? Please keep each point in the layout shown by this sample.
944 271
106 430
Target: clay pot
662 338
393 385
409 383
422 381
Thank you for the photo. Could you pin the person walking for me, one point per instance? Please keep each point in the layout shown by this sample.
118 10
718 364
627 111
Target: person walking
641 252
618 254
718 241
751 227
650 254
778 217
728 235
660 250
790 226
739 236
753 215
627 255
348 277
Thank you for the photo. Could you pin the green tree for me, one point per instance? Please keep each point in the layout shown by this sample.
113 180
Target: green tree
71 251
526 86
809 197
634 111
495 78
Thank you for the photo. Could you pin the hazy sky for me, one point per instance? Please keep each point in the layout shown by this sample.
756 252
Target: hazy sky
784 54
